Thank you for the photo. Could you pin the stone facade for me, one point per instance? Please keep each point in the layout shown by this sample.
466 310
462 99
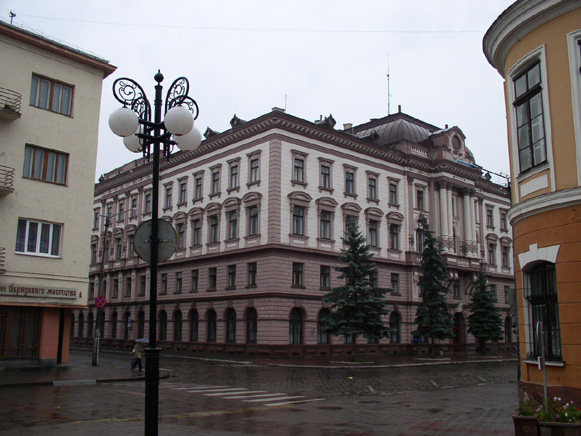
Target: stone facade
259 211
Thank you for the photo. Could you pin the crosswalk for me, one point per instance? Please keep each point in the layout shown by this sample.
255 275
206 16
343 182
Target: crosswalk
241 394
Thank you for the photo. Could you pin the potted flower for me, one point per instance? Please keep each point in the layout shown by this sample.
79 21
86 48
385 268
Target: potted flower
525 421
560 418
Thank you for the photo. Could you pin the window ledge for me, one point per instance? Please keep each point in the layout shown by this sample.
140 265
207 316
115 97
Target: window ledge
233 189
251 286
298 287
372 200
556 363
297 182
256 182
329 190
197 200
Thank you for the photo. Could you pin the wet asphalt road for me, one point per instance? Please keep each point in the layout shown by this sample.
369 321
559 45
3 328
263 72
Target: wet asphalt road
213 398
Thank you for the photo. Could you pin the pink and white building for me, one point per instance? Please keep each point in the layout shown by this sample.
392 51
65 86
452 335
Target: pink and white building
259 211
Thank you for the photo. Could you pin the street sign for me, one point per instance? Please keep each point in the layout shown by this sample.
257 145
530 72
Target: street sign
166 245
100 301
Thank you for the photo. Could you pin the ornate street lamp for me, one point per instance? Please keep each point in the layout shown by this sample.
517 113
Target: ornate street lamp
141 134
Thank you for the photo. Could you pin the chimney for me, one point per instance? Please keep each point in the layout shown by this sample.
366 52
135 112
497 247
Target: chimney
347 126
399 108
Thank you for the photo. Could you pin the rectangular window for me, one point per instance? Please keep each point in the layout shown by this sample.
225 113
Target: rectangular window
115 288
373 280
298 274
489 217
503 221
198 188
231 276
93 254
254 170
197 232
234 182
96 219
507 294
394 237
168 197
133 212
214 229
118 248
183 192
253 221
298 220
163 290
45 165
39 238
131 245
349 182
393 193
91 290
456 289
121 211
298 173
493 290
147 203
179 282
181 233
492 254
325 225
395 283
420 199
216 182
48 94
195 278
528 103
142 283
325 176
233 224
212 278
506 256
372 188
252 270
373 239
128 287
325 277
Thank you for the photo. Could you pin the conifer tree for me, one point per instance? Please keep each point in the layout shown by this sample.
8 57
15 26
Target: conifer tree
484 322
433 318
358 306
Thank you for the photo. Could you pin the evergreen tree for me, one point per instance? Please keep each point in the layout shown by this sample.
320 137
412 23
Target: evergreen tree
358 306
484 322
433 318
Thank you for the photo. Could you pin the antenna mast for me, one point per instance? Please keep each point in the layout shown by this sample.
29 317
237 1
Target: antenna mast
388 90
12 15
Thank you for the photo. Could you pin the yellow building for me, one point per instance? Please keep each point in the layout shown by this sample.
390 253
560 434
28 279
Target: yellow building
50 97
536 47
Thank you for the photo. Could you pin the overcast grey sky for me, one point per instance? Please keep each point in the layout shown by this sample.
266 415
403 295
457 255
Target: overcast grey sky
317 57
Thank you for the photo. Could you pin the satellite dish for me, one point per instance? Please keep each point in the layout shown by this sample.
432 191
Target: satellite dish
166 245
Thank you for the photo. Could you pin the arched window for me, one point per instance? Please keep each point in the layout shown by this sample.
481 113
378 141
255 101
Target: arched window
114 325
194 319
162 325
251 326
141 324
322 335
296 327
231 326
211 320
81 323
126 325
395 326
177 325
90 325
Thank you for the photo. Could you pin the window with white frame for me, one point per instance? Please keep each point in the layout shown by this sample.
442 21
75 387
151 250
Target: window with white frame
233 224
299 170
215 188
183 192
394 231
490 217
420 201
254 167
49 94
252 220
168 196
372 188
325 178
147 203
349 180
234 174
393 194
198 186
373 233
503 221
530 125
196 232
181 234
491 253
121 211
133 211
214 225
325 225
38 238
298 220
45 165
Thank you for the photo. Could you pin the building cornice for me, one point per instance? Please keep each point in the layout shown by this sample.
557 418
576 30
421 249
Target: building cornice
544 203
515 22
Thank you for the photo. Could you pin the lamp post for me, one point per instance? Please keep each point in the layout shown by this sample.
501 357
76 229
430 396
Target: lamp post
141 134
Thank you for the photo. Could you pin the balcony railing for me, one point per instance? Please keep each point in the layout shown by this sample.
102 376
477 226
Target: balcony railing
6 180
10 104
2 260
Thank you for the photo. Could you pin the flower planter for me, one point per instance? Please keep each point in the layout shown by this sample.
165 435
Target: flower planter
559 429
525 425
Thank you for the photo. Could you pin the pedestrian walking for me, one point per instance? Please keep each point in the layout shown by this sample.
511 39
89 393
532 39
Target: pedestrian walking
137 356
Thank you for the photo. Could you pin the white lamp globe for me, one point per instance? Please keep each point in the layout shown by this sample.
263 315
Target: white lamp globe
123 122
190 141
178 120
132 143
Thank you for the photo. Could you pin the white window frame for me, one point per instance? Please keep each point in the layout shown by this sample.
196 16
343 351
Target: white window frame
574 39
27 238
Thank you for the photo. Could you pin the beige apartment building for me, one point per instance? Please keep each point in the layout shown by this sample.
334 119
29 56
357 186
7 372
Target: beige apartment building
259 211
49 113
536 47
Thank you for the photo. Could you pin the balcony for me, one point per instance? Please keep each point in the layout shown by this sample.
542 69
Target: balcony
6 180
10 104
2 260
